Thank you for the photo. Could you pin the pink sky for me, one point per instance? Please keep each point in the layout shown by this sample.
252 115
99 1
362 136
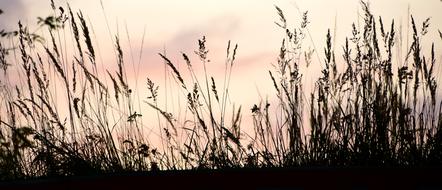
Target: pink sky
177 25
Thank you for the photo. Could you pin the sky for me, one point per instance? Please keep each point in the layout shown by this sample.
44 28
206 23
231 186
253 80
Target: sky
174 26
177 25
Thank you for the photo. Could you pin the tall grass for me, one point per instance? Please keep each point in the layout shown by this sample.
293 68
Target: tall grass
370 113
363 115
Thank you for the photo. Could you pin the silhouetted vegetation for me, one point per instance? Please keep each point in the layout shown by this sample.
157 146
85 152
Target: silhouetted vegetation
373 112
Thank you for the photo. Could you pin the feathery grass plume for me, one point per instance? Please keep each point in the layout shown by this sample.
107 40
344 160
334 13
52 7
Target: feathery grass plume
234 55
74 77
202 51
3 63
282 18
417 64
87 38
42 83
215 92
228 50
22 38
431 80
305 21
174 69
390 45
83 98
25 57
54 45
274 83
375 39
11 114
75 105
152 89
52 5
381 27
120 63
327 49
116 87
348 74
186 58
425 26
75 32
26 111
22 110
56 64
43 72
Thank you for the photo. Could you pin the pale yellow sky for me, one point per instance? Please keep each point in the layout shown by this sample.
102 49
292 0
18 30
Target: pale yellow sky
176 25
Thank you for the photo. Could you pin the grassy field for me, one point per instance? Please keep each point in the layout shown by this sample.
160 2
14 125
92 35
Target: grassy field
366 111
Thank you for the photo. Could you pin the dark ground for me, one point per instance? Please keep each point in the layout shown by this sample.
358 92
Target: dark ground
261 179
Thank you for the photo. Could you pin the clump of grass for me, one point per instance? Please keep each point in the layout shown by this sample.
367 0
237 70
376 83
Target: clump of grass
365 115
210 141
37 137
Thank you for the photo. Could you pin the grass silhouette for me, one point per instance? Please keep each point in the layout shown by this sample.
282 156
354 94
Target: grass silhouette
373 113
